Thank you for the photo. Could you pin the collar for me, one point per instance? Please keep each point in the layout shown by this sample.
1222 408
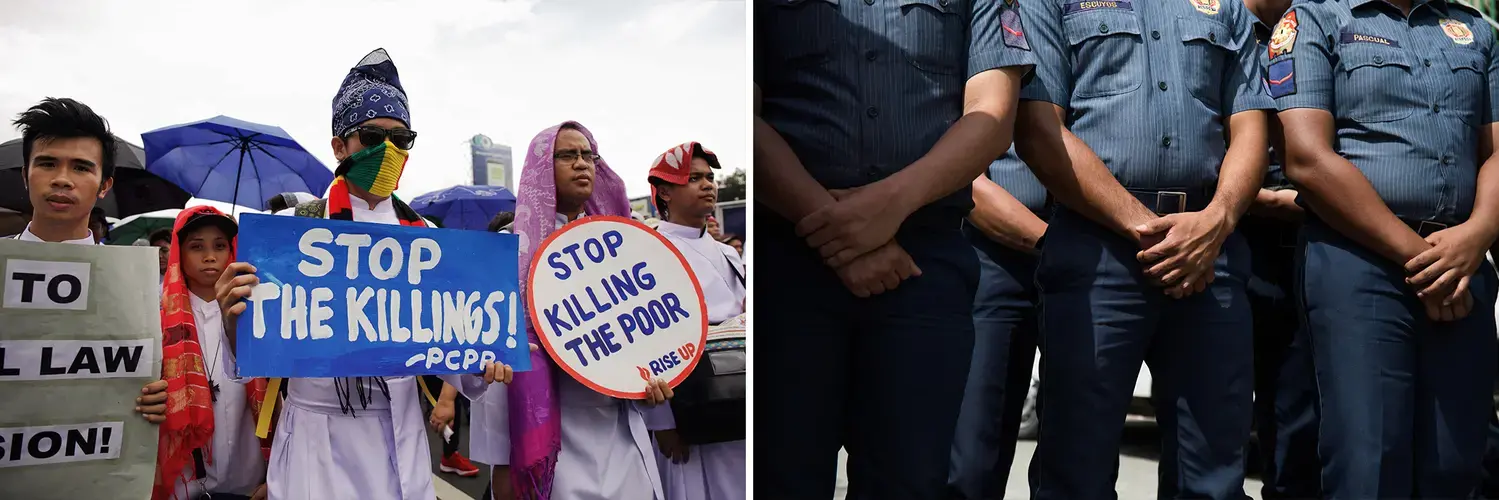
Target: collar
1262 32
563 220
202 307
680 231
86 240
359 205
1440 5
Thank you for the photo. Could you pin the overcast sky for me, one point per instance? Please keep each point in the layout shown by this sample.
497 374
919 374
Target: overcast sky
643 75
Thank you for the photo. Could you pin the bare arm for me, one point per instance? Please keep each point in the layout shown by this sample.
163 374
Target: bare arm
785 186
982 134
1003 218
1486 200
1338 192
1244 165
1072 173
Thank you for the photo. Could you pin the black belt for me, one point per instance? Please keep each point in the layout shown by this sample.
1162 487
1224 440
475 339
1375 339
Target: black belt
1423 227
1171 202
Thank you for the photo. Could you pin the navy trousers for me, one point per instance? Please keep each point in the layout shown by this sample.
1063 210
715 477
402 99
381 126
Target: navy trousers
882 377
1405 400
1285 388
1100 319
1004 348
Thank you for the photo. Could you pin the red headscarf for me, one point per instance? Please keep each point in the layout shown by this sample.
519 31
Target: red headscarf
189 417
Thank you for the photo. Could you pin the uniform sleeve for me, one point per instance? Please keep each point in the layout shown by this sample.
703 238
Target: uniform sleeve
1052 80
1300 72
997 37
1246 79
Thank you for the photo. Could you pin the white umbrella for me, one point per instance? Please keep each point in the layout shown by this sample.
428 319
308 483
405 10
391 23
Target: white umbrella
140 226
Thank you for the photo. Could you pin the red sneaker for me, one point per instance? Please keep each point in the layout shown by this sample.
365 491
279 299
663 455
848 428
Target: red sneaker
458 464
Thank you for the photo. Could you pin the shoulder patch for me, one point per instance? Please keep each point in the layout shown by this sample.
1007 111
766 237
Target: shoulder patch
1283 39
1458 31
1014 33
1209 7
1281 78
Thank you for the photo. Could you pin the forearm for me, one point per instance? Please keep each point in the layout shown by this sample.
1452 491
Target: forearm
449 393
1485 215
1343 198
1242 173
1074 175
1003 218
784 184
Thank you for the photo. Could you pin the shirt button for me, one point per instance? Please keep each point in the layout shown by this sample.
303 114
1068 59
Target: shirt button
1435 108
1378 59
868 2
1155 35
871 55
1446 160
1165 142
1213 37
1162 85
1426 62
873 112
1103 28
942 2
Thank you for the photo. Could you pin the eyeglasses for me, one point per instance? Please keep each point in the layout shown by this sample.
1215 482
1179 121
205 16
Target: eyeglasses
570 156
371 135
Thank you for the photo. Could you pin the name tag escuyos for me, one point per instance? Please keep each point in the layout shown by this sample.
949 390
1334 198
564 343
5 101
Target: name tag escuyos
1088 5
1351 37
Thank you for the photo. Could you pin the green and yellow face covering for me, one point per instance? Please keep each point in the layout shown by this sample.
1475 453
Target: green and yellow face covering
376 169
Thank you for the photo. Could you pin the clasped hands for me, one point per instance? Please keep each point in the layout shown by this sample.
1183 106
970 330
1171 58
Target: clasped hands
1177 250
855 235
1440 275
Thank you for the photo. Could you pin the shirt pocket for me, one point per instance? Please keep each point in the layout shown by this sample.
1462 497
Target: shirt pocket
1374 84
1106 52
1210 48
800 33
1466 92
932 34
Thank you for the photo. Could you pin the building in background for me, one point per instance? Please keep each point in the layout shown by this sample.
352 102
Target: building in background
491 163
642 205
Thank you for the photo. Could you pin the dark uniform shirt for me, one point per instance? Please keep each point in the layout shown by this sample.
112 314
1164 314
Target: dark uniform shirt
1148 85
862 88
1275 176
1408 95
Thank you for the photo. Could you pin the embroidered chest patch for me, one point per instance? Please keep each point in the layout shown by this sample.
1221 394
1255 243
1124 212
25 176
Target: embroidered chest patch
1087 5
1458 31
1283 39
1209 7
1351 37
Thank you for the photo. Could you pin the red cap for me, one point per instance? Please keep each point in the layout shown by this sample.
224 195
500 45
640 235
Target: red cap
675 165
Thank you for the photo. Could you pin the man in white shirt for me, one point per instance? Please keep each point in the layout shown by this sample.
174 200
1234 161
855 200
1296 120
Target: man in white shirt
69 167
684 191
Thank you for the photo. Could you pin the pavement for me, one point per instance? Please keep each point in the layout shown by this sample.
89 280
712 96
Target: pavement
1139 455
450 486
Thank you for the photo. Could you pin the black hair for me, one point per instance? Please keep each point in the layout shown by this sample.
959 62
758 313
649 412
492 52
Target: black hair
97 215
659 184
501 220
160 235
63 118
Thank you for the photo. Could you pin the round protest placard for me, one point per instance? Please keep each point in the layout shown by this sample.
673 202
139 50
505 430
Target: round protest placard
616 306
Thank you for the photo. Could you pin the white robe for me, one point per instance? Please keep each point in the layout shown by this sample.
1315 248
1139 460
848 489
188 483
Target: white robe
606 448
713 471
379 452
236 465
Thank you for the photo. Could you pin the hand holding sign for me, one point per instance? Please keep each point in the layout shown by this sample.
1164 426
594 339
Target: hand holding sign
231 290
615 304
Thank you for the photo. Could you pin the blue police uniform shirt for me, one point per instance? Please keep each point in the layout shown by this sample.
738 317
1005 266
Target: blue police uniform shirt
860 89
1408 95
1015 177
1148 85
1275 175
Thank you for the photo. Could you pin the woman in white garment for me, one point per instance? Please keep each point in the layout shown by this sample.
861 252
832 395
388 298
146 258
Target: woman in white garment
684 191
355 438
564 440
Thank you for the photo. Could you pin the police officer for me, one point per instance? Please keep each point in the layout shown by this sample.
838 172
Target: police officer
873 119
1005 228
1285 389
1387 108
1141 261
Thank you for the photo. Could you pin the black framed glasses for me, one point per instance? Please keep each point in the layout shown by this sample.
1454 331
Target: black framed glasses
573 155
371 135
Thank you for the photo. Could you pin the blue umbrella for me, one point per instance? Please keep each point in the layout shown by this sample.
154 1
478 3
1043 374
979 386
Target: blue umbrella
235 161
465 207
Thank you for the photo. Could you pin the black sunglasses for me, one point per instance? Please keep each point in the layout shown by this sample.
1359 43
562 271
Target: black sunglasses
371 135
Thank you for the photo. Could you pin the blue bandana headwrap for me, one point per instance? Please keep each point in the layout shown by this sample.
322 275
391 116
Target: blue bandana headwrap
372 90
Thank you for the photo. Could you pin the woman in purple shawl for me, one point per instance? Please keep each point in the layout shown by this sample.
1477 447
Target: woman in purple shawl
567 441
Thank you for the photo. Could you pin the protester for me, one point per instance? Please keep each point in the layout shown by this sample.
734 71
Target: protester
98 225
501 222
372 425
208 445
161 239
1394 158
734 241
565 440
899 132
444 420
684 192
714 229
69 166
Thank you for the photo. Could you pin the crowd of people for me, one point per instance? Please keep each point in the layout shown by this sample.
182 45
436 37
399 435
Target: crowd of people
544 434
1283 208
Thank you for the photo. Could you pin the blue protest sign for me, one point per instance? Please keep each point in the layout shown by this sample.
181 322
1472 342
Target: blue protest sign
345 299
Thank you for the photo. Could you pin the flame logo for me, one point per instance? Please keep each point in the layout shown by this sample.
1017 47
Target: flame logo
644 374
